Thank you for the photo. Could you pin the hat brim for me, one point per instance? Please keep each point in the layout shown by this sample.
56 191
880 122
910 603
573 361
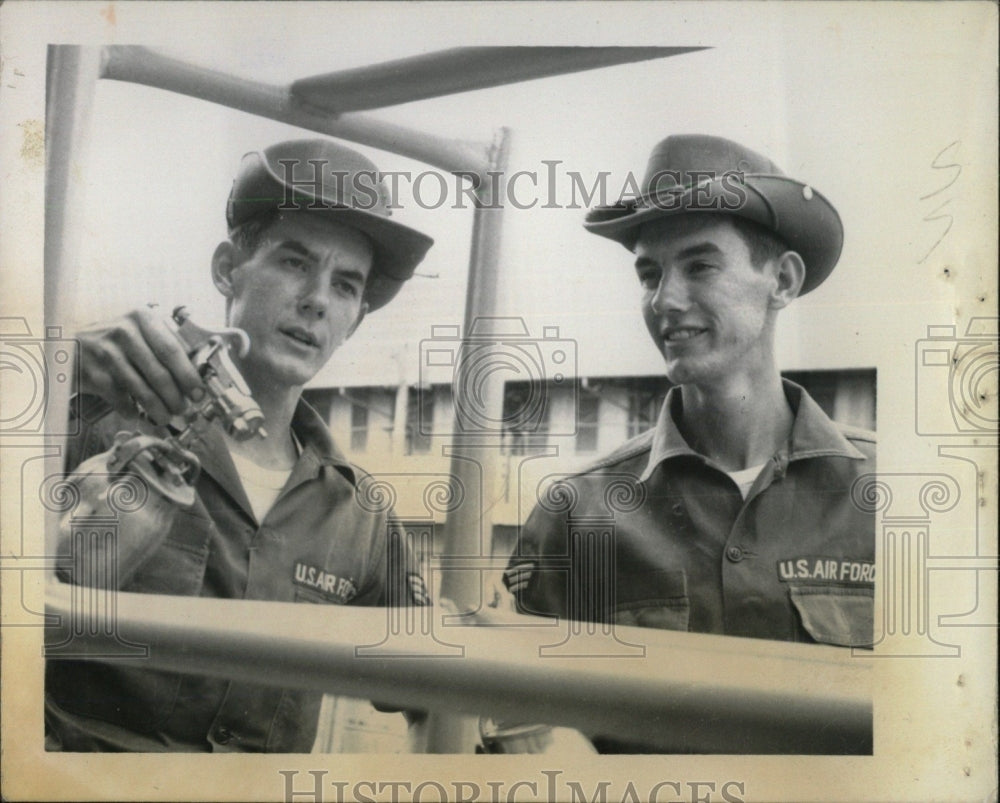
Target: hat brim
793 211
397 249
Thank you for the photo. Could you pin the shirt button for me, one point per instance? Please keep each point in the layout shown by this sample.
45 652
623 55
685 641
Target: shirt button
223 736
735 554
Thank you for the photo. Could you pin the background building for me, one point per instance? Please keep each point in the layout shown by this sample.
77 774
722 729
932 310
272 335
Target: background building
400 433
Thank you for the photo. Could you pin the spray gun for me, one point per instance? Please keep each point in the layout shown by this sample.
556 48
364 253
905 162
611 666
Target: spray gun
156 474
228 398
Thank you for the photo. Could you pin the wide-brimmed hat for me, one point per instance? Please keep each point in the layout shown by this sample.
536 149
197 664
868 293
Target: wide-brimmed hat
700 173
322 176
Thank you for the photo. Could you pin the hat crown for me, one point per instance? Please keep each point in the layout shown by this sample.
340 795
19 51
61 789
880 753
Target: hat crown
708 174
321 176
307 174
688 159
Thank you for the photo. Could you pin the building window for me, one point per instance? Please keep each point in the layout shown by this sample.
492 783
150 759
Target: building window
643 409
847 396
419 420
359 424
586 423
525 417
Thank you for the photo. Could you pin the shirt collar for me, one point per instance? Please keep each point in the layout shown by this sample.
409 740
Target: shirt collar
813 433
312 431
667 439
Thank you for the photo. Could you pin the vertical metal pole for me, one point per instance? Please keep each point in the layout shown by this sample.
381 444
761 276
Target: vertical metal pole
69 93
71 79
399 419
468 529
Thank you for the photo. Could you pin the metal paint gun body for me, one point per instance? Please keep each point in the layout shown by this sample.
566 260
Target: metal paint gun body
228 399
143 480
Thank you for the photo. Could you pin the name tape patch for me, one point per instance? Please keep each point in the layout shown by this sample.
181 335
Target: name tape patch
839 570
337 589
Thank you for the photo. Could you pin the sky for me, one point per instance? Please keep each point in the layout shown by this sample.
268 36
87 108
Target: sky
831 96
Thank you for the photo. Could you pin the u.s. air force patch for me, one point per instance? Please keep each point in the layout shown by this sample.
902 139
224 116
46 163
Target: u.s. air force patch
821 569
336 589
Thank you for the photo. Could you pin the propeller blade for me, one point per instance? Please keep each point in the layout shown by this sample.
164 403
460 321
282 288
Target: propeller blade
446 72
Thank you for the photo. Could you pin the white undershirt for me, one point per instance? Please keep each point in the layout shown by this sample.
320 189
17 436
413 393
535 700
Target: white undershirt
746 478
262 485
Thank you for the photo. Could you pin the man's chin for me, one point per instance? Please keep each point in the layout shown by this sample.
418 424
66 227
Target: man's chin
686 373
680 373
297 378
285 371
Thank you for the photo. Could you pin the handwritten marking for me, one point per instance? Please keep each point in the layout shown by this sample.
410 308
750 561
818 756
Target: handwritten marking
933 216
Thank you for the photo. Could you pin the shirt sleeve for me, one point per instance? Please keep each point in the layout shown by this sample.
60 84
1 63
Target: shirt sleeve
89 481
88 419
539 585
397 577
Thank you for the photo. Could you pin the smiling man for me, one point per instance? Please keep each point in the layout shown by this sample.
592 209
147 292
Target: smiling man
743 521
311 250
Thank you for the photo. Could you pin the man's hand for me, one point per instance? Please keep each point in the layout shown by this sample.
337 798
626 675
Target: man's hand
514 736
138 359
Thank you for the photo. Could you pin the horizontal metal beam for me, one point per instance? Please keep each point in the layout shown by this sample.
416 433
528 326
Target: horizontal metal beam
460 69
140 65
685 692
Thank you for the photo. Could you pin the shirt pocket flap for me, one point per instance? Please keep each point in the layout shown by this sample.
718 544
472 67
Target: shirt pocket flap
837 615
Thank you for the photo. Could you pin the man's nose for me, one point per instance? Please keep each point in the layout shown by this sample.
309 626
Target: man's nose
315 299
671 293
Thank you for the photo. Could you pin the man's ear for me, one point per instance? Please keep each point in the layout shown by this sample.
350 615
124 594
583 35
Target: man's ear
357 321
790 273
223 265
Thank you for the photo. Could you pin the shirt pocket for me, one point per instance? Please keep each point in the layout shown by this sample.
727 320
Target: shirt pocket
839 615
655 598
307 595
178 567
313 597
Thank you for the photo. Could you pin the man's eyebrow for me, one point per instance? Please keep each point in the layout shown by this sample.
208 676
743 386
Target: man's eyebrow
298 248
350 274
699 250
344 273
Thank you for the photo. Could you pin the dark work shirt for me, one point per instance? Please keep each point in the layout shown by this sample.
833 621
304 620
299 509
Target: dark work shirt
316 544
656 535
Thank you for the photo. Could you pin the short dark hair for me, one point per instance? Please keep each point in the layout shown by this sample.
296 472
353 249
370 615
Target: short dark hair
249 236
762 244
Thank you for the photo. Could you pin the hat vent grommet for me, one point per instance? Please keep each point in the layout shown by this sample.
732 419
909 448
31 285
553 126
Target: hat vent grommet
807 193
